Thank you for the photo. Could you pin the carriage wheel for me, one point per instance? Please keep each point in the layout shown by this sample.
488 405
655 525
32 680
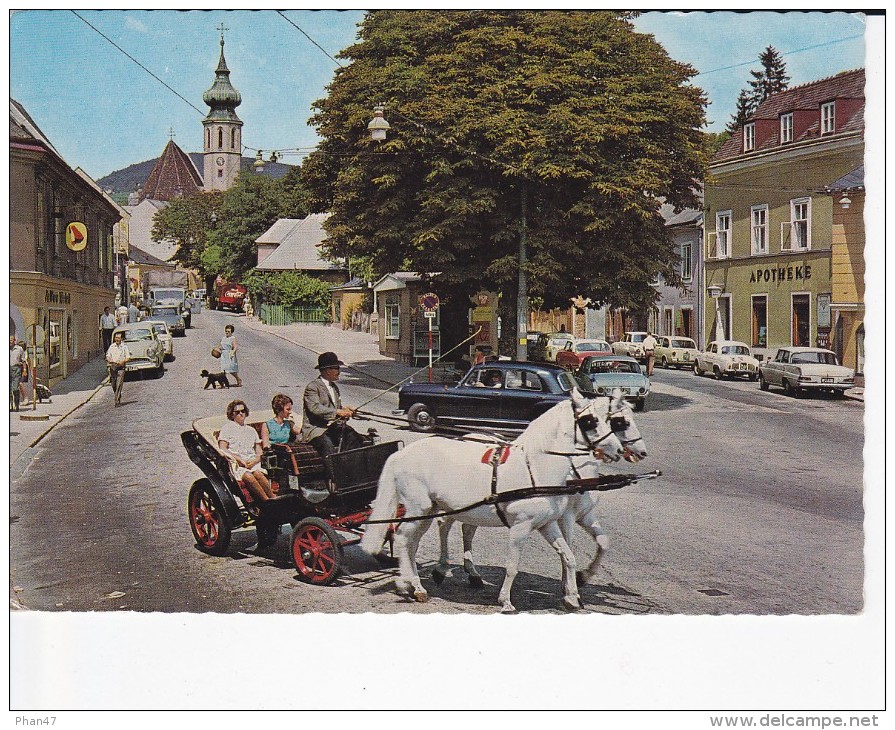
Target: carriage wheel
316 551
208 519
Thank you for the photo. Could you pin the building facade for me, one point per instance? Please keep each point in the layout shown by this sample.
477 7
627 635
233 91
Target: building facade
61 253
769 220
222 149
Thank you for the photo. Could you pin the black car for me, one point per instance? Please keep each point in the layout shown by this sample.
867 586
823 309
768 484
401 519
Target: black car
503 395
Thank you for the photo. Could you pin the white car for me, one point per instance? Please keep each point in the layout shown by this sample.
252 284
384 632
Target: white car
631 345
550 344
165 337
727 358
678 352
806 368
147 352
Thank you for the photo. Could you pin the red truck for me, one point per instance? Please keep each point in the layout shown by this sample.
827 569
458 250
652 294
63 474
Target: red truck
228 295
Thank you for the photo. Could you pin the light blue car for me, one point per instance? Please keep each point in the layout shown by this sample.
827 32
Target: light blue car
607 372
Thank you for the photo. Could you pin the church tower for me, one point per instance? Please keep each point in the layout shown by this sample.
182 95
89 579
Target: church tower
223 130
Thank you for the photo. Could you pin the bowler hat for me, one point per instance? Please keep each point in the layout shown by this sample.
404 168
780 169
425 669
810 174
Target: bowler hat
328 360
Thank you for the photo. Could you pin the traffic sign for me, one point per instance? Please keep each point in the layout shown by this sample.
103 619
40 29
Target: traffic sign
429 302
430 315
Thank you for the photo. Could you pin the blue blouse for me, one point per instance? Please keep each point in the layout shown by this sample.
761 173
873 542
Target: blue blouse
279 432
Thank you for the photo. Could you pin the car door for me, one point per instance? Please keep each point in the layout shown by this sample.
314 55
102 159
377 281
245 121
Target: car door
524 397
472 402
778 367
711 356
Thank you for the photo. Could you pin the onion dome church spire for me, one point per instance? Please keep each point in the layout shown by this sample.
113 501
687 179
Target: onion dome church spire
223 129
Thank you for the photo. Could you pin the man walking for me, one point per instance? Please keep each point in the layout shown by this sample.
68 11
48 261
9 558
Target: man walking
133 314
117 357
107 324
17 360
649 350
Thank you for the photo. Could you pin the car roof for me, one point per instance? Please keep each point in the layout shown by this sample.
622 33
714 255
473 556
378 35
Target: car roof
509 364
153 321
596 358
728 342
132 326
806 349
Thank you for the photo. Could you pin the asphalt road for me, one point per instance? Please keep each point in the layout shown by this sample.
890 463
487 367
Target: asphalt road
759 509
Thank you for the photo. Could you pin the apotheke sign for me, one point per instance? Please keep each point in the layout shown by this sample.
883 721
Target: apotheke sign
780 274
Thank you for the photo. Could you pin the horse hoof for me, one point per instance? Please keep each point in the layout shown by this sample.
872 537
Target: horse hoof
572 604
421 597
508 609
438 576
475 581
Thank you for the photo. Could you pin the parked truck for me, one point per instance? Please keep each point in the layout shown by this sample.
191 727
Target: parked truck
228 295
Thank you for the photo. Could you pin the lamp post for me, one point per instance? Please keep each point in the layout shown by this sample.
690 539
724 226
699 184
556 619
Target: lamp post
715 293
378 128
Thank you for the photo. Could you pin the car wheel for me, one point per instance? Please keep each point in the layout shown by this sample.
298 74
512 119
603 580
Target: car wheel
763 384
717 372
664 362
421 418
208 519
696 368
640 404
789 389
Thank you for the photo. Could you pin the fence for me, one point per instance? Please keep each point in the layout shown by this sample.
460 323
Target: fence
276 314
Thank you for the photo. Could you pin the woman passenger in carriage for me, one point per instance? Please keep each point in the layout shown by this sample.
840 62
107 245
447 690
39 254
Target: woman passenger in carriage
281 428
242 443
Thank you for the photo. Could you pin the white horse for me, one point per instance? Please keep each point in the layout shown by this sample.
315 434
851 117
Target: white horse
582 508
440 475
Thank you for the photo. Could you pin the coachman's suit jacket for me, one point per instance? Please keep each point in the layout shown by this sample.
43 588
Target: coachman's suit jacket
319 409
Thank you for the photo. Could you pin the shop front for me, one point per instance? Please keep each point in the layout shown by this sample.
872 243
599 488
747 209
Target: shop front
770 302
68 314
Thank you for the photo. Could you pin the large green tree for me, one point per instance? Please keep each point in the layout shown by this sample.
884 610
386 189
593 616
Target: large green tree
573 118
770 79
187 222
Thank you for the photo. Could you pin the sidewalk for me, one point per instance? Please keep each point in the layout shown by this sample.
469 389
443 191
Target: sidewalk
68 396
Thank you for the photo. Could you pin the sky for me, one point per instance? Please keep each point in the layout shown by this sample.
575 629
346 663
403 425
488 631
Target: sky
103 112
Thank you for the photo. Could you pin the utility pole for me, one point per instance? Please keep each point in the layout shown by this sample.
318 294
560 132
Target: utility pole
522 297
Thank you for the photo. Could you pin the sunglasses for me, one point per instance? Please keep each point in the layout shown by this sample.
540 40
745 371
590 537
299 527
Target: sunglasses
237 411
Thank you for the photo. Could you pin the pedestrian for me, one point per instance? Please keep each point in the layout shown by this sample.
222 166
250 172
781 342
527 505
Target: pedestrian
121 315
26 374
116 357
325 418
649 351
133 314
229 360
107 324
16 360
247 306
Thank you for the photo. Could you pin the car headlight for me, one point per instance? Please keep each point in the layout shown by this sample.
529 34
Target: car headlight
642 391
601 391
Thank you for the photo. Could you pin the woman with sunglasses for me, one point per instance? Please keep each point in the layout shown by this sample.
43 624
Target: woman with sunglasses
243 444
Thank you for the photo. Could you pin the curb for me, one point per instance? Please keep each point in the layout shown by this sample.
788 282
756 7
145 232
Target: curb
66 415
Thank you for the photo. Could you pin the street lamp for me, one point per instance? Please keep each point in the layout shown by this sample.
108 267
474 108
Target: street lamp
378 127
715 293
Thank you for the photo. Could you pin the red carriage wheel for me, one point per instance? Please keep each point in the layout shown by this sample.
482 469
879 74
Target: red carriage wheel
316 551
208 519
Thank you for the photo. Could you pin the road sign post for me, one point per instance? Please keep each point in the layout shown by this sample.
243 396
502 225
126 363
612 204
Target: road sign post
429 305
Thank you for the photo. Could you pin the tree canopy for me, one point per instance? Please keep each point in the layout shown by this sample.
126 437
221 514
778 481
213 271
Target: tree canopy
770 79
586 120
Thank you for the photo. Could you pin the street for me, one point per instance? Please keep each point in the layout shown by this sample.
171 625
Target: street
759 509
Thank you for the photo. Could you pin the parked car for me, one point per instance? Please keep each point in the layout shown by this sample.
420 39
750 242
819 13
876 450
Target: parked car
631 345
805 368
727 358
678 352
573 354
607 372
146 350
503 395
172 317
164 335
548 345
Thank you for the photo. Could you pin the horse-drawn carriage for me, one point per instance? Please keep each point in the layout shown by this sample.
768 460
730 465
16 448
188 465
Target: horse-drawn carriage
321 511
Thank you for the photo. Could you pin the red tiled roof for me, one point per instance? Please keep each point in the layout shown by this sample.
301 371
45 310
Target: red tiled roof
174 175
846 85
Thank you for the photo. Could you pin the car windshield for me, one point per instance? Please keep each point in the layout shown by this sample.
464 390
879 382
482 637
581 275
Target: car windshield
560 339
160 329
164 312
613 366
735 350
823 358
160 294
592 347
637 337
135 335
683 342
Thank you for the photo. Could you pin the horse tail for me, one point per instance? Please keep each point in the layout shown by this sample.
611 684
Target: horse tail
385 506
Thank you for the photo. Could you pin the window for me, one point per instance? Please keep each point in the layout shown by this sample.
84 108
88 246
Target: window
801 320
785 128
220 137
668 320
220 173
232 139
800 212
749 137
759 321
722 226
759 229
686 262
828 117
392 321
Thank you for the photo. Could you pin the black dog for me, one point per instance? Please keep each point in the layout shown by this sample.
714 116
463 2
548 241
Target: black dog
214 380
